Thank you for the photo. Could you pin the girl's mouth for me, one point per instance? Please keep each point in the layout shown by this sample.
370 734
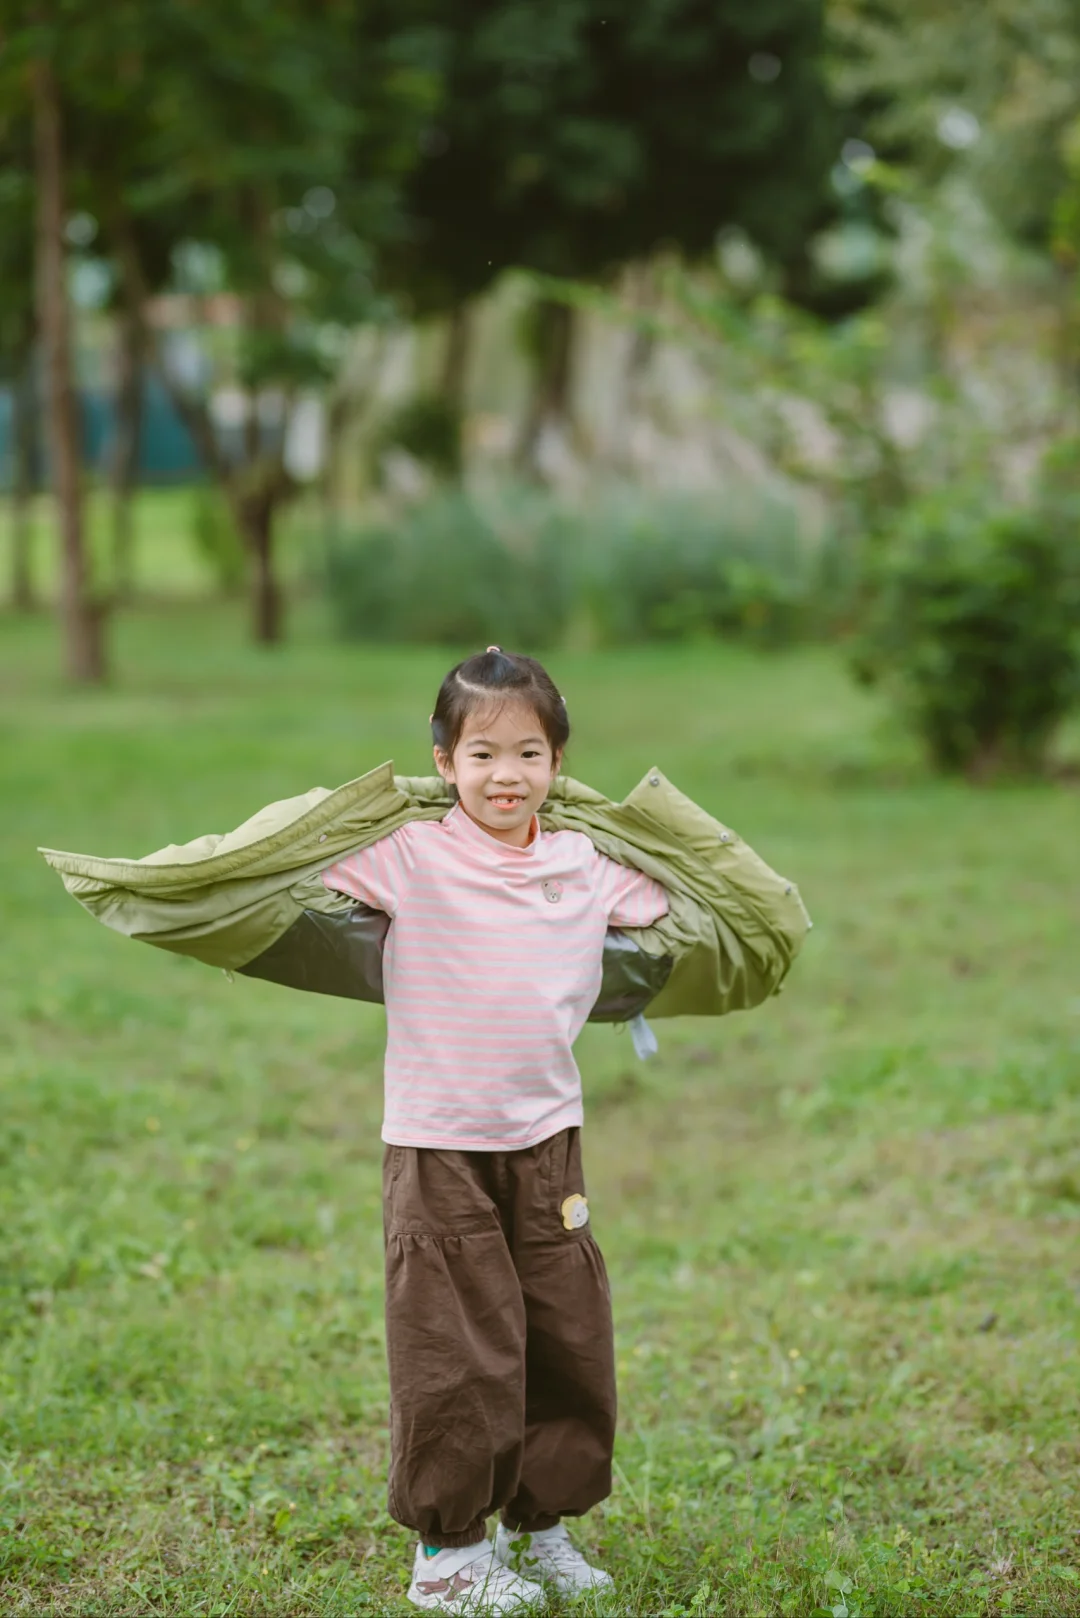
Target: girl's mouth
506 803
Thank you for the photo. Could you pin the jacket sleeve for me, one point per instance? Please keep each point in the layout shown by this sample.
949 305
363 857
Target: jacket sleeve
630 898
378 875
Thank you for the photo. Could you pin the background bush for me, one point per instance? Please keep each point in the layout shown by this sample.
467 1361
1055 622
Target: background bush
442 575
677 569
975 625
527 570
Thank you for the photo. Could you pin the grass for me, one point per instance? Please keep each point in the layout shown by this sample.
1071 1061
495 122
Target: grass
843 1231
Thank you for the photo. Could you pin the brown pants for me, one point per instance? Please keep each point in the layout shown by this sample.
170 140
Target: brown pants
499 1340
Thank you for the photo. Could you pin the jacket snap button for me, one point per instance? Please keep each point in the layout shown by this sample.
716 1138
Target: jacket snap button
322 837
725 837
654 780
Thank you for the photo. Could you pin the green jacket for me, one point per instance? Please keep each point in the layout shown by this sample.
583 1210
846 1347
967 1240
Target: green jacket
253 901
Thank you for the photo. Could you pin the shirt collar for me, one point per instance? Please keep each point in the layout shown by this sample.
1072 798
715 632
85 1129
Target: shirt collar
460 823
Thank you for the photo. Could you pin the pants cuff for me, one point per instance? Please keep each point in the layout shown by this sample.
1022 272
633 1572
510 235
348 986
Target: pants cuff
452 1542
528 1525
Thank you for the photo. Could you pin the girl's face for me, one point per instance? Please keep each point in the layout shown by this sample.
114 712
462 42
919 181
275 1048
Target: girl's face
502 767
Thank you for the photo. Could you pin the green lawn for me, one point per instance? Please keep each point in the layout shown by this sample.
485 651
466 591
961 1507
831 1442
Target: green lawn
843 1231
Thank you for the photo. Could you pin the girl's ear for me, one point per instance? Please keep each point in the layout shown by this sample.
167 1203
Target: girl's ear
556 764
443 764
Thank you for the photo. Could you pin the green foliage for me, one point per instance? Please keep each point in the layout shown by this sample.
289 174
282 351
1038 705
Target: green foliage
1058 484
215 539
986 91
975 624
428 426
16 260
533 572
575 136
288 360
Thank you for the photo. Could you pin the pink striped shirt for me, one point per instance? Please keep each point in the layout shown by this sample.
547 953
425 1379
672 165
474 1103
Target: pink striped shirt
492 964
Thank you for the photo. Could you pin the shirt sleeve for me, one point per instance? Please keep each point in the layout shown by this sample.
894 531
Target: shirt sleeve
377 876
630 898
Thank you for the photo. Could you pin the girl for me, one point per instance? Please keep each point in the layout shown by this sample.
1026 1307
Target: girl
498 1311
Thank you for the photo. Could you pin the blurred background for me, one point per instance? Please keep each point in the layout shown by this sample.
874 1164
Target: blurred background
557 326
728 358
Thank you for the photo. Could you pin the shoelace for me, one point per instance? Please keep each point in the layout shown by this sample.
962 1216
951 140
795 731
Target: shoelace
488 1571
561 1551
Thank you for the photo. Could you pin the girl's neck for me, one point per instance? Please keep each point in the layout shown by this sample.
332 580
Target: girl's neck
512 839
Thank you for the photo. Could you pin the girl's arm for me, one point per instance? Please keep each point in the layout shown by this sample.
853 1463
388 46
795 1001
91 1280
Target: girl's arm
630 898
378 875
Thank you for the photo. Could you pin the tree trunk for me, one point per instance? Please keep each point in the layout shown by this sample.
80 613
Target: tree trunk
23 595
550 403
257 527
455 367
124 452
252 428
641 291
82 619
349 410
337 416
254 488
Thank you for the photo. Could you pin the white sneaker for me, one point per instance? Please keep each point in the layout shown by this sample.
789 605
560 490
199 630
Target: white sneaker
470 1579
550 1556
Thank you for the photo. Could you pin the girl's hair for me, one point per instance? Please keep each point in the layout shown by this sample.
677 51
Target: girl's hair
499 677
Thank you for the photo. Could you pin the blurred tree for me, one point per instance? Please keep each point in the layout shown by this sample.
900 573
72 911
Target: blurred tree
1066 246
577 136
81 613
810 393
65 67
236 117
994 86
260 144
129 353
217 166
17 332
979 99
987 94
226 157
32 96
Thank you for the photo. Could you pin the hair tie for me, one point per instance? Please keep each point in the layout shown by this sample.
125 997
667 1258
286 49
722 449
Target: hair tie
494 648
